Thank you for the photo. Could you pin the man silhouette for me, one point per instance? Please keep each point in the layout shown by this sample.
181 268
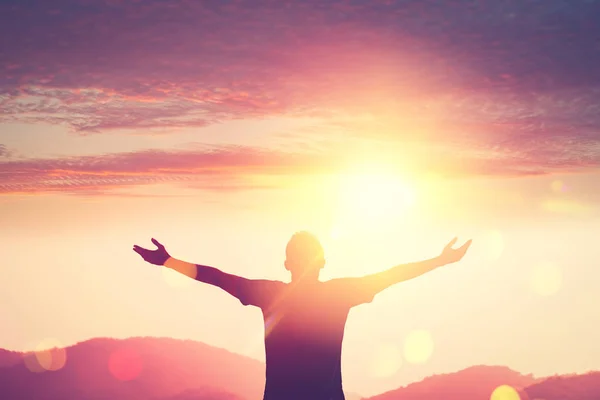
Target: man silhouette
304 320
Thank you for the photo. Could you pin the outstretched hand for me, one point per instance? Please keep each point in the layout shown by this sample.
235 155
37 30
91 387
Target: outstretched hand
450 255
156 257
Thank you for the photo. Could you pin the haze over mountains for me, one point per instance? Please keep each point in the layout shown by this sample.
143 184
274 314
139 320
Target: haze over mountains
170 369
136 369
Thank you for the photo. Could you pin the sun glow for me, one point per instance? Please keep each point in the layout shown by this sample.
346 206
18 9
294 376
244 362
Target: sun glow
371 198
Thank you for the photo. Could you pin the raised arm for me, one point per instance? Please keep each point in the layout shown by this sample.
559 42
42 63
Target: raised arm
248 291
363 289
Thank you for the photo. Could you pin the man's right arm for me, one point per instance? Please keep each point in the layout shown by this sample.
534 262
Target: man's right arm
236 286
249 291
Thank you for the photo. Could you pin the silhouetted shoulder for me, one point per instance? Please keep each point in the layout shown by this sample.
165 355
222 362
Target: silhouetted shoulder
352 291
259 292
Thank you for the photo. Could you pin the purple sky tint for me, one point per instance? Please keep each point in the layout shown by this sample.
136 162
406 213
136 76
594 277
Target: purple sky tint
512 87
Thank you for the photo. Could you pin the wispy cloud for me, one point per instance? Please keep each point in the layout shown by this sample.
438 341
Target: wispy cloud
218 168
234 168
4 152
511 80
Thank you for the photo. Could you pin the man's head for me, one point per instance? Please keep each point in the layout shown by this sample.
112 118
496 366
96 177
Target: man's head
304 256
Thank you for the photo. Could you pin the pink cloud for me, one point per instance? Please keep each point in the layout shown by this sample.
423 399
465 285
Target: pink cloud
4 152
224 168
479 79
234 168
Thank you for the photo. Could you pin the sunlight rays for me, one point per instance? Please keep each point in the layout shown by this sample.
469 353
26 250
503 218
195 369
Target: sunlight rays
369 198
385 361
418 346
546 278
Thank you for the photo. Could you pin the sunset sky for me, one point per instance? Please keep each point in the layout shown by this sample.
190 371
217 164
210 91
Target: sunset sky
385 127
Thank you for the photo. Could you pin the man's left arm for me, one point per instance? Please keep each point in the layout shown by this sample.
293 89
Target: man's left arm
363 289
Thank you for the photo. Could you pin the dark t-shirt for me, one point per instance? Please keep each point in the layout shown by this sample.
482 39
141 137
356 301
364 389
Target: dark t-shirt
304 328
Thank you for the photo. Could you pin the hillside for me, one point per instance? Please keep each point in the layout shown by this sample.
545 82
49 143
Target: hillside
9 358
169 369
474 383
568 387
161 368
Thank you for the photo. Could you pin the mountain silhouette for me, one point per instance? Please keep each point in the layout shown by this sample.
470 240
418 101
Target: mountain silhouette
10 358
206 393
149 368
566 387
170 369
473 383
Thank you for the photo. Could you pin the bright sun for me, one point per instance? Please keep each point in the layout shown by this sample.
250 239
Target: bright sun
367 198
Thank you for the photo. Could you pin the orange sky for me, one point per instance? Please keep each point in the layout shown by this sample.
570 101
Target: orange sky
386 127
524 296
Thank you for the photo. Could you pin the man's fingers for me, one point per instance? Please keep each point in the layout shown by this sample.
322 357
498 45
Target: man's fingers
141 252
160 246
463 249
449 245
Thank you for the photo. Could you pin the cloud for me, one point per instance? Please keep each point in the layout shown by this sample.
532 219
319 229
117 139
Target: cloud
517 78
217 168
235 168
4 152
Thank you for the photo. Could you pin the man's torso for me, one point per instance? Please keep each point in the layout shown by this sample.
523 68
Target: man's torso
304 330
